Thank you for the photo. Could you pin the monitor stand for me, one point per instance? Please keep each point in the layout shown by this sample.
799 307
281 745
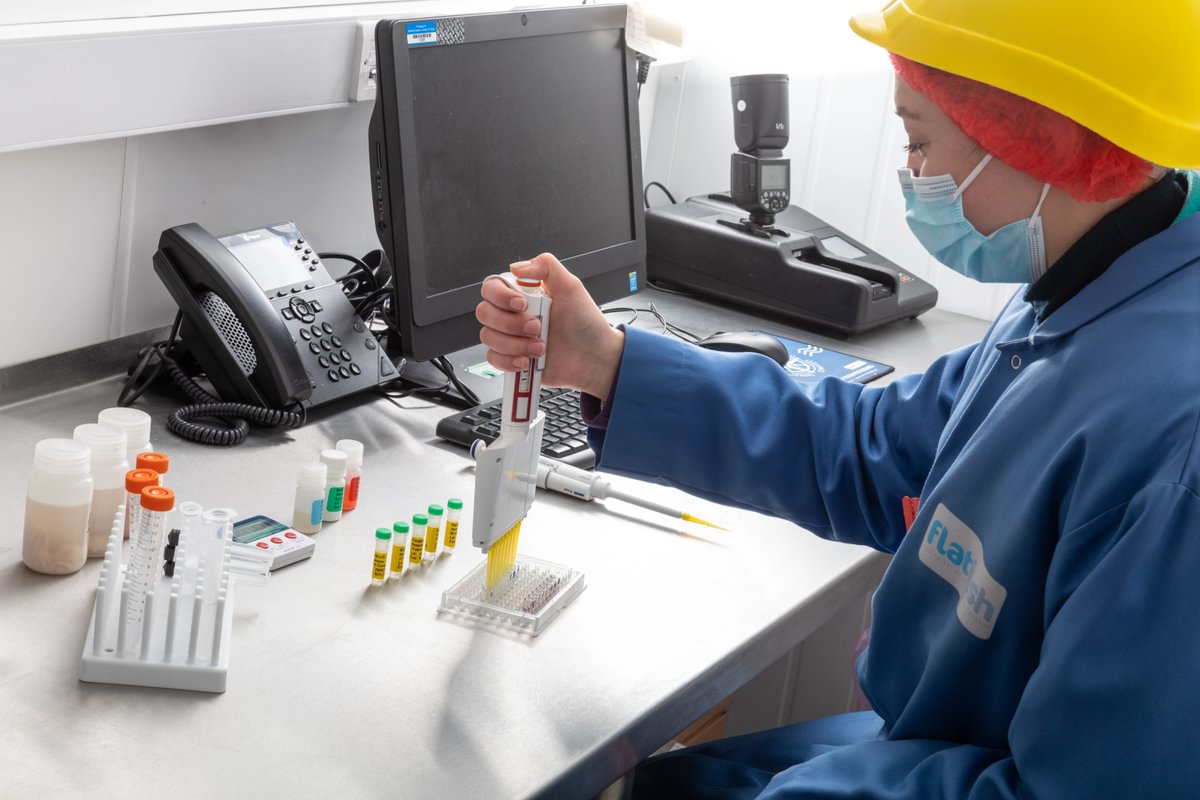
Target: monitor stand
470 366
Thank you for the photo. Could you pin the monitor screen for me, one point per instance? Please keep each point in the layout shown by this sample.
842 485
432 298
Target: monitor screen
496 137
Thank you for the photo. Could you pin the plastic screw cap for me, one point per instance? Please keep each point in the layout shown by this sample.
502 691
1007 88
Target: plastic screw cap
454 503
435 510
138 479
159 462
383 533
400 527
420 519
158 498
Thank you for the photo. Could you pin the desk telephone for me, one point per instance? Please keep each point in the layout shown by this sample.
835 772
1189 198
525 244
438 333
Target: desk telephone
264 319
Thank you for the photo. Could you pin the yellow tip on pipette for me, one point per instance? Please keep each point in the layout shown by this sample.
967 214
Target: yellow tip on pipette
689 518
502 555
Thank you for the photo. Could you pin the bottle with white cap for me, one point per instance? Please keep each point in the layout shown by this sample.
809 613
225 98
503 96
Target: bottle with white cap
109 465
135 423
354 458
335 484
56 507
310 497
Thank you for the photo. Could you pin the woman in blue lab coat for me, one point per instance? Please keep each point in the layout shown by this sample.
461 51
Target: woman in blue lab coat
1035 633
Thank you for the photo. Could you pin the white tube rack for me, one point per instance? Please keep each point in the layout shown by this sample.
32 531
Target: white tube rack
182 642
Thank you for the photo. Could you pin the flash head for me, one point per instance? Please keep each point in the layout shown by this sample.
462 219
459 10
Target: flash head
760 113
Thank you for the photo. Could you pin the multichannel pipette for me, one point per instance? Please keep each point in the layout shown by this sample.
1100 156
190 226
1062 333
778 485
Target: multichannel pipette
585 485
502 498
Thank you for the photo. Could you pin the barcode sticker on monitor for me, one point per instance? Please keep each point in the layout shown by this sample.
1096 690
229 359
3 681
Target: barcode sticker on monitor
421 32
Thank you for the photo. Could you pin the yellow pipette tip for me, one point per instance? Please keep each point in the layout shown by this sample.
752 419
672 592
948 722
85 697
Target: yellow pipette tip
502 555
698 521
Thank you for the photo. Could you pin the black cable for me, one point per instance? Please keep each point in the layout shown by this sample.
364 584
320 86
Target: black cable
665 190
233 419
361 266
446 368
667 325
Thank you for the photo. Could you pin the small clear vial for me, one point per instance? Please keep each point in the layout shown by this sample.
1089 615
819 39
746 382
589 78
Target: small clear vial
354 458
55 539
383 538
335 484
310 497
453 512
435 531
399 542
416 547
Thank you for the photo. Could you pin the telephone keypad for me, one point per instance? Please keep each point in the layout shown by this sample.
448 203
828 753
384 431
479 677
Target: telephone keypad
344 354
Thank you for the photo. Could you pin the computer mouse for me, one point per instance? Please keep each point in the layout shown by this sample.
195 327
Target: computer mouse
748 342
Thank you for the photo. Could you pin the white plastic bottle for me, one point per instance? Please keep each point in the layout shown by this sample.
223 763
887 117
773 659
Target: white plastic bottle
354 458
109 465
310 497
56 507
135 423
335 484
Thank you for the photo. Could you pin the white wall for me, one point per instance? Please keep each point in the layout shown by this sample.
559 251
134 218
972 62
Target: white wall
80 221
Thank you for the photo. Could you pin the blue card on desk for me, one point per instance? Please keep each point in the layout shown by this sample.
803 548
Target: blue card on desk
810 363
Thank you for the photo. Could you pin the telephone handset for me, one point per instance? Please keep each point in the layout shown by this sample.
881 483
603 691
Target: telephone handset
265 320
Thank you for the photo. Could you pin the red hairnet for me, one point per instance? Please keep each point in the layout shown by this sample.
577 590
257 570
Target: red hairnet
1030 137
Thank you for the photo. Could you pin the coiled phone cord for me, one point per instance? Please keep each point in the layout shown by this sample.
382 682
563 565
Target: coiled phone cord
235 416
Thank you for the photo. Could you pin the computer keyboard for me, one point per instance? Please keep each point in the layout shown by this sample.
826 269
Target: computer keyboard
564 437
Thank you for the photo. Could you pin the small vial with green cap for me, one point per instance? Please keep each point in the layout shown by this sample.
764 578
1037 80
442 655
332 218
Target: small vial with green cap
417 540
383 539
436 513
399 542
453 511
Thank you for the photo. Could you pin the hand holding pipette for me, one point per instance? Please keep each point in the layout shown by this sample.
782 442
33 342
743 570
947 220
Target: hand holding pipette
501 499
585 485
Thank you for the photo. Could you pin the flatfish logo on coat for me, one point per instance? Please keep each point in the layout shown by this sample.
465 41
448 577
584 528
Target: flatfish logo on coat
954 551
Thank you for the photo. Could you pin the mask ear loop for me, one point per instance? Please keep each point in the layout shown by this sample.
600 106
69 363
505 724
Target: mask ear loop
1037 243
971 177
1038 208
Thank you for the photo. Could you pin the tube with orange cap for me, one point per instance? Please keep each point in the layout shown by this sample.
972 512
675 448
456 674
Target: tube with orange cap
155 502
135 481
159 462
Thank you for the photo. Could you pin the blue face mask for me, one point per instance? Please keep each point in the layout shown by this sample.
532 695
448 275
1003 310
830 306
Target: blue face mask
1015 253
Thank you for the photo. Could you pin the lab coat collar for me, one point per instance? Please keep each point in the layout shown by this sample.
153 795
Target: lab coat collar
1176 248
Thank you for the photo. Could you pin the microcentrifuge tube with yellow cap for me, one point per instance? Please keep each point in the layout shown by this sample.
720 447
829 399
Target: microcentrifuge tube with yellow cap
435 530
399 541
416 547
453 510
383 538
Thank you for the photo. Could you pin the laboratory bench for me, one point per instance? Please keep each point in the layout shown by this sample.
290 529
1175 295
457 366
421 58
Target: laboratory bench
336 688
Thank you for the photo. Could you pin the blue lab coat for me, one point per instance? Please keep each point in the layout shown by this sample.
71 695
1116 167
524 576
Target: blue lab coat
1034 634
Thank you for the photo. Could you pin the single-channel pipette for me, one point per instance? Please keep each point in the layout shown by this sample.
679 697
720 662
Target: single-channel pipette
502 498
585 485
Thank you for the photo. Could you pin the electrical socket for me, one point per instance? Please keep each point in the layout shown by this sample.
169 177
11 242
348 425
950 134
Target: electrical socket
365 66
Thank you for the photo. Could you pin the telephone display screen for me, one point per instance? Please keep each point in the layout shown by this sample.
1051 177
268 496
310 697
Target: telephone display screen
269 255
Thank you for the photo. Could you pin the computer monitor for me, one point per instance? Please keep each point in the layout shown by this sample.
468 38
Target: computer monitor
496 137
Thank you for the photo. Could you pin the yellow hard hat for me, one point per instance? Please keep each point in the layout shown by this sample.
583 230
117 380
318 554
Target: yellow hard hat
1130 73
